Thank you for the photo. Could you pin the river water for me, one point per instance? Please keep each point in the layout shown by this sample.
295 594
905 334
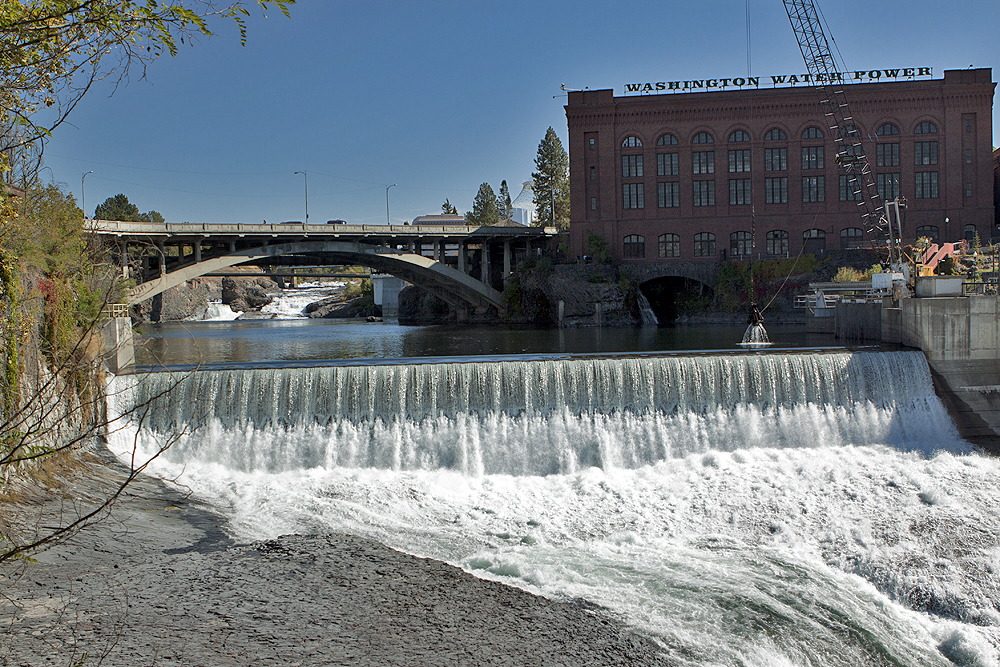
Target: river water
800 505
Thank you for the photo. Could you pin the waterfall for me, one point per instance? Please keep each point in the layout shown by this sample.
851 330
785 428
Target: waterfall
539 417
648 316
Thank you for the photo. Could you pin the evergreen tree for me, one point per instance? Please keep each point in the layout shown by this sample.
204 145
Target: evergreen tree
551 182
504 204
447 208
153 216
484 208
118 208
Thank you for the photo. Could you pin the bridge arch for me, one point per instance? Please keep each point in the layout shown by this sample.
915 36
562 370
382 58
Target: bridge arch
451 285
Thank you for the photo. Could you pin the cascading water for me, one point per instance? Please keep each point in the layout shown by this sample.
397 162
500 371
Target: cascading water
749 509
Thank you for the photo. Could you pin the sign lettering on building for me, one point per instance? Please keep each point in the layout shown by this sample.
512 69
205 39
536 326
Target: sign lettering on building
859 76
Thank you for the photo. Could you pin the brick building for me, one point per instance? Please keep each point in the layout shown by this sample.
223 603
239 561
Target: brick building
671 177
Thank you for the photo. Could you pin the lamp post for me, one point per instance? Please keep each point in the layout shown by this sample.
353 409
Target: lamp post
306 177
83 193
387 203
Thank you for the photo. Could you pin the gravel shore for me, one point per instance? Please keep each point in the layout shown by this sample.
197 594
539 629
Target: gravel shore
157 582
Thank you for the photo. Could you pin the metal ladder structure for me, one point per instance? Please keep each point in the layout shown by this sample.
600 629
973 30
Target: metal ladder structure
829 80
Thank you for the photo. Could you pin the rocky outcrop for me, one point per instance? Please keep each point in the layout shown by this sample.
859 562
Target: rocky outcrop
336 307
246 295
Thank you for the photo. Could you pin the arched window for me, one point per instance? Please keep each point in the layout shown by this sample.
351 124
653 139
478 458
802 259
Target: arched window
670 245
739 135
812 133
634 247
930 231
666 140
851 237
703 138
777 242
926 127
969 233
704 245
775 134
631 142
740 244
887 130
814 241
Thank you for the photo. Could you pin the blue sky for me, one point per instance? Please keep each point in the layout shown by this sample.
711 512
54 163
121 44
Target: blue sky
436 97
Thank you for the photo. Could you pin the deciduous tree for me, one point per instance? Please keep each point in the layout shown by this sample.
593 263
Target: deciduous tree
551 186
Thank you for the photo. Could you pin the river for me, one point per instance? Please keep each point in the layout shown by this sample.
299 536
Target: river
801 505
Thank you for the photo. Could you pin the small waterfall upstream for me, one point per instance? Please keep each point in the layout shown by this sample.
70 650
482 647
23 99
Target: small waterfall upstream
646 310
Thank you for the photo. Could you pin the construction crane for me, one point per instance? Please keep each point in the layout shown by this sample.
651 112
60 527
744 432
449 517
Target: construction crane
828 78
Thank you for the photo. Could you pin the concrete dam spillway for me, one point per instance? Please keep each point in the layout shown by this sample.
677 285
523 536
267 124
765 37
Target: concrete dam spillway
748 508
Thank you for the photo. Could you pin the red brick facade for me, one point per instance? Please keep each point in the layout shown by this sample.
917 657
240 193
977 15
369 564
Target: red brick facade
672 177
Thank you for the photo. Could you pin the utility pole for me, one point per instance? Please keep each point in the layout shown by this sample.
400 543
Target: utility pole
387 203
83 194
306 177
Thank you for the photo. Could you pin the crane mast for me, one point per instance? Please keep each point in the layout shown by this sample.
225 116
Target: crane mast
829 80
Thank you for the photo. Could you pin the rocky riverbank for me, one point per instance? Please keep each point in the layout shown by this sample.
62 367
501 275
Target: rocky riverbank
158 582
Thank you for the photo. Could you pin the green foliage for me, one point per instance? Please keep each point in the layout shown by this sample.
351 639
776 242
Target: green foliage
735 288
152 216
948 267
846 274
512 297
598 248
551 184
359 288
447 208
117 208
505 206
484 209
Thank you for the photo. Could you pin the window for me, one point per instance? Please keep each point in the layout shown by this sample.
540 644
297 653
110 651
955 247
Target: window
632 196
930 231
968 156
593 173
968 189
634 247
739 191
592 144
670 245
852 237
703 138
739 161
704 193
888 186
666 164
740 244
631 142
925 128
887 130
739 135
668 194
703 162
775 159
814 241
776 190
887 155
969 233
925 152
593 203
777 242
812 157
775 134
704 245
666 140
813 188
812 133
850 188
968 126
926 183
631 166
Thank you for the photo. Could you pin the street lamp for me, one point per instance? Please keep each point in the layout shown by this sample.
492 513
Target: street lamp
387 203
306 177
83 193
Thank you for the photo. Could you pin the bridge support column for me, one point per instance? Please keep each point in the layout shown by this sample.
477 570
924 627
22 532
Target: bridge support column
506 258
484 266
197 249
163 258
461 256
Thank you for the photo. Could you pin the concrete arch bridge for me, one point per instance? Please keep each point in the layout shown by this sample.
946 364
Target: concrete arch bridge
463 265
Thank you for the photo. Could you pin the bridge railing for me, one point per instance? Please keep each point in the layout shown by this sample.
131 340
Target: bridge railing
271 229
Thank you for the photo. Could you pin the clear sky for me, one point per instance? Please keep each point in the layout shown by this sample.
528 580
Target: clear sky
437 97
